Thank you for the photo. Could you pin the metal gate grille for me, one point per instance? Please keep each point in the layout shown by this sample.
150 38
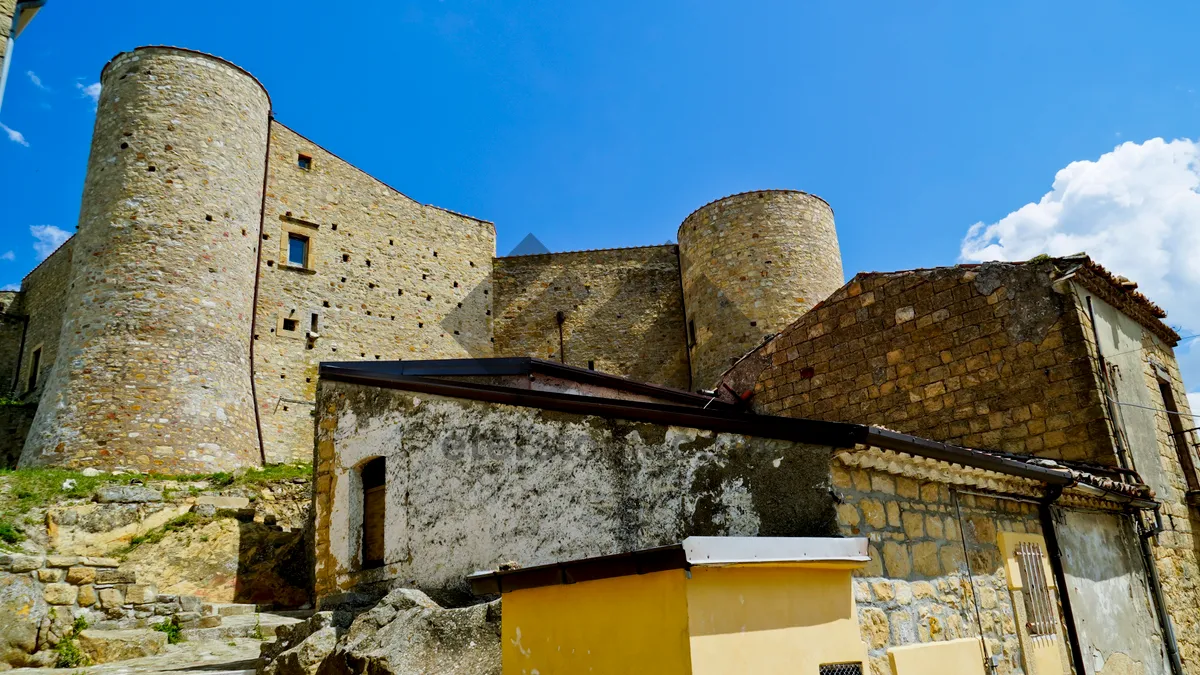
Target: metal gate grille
1039 603
842 669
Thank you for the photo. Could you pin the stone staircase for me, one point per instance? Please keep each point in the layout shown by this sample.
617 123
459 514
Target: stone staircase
227 621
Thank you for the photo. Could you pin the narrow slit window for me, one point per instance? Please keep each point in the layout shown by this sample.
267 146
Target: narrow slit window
304 162
374 482
297 250
1178 434
35 364
692 331
312 325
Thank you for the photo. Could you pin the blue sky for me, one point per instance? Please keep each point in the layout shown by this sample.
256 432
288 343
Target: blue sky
605 124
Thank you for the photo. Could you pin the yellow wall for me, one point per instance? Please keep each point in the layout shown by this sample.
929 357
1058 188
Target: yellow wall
766 620
953 657
634 624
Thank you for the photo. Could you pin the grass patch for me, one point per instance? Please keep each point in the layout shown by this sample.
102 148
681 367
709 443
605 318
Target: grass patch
172 629
186 521
9 534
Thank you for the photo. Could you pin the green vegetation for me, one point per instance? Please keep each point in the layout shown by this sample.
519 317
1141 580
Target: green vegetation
38 487
186 521
69 653
172 629
8 400
9 534
257 633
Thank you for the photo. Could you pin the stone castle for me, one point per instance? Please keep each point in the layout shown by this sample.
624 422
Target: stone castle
220 256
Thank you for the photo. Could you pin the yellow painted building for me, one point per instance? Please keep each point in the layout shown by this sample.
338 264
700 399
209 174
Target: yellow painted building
710 605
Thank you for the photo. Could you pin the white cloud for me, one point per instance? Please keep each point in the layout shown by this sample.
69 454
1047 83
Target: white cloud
37 81
1135 210
10 287
91 91
8 255
47 239
14 135
1194 404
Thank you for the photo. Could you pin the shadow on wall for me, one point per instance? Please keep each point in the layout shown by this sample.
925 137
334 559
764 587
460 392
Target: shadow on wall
274 566
15 421
630 324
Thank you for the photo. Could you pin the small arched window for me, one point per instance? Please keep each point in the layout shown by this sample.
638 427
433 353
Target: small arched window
374 482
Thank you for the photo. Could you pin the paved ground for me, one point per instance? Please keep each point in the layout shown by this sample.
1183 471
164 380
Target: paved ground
229 657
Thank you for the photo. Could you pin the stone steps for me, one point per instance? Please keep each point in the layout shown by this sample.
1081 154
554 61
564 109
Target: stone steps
240 626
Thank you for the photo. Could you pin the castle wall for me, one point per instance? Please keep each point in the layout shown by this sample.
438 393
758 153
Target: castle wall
153 370
7 9
752 264
990 357
12 329
387 278
44 302
622 310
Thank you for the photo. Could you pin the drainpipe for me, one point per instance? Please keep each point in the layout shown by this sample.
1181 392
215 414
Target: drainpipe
262 217
561 319
1053 492
1160 602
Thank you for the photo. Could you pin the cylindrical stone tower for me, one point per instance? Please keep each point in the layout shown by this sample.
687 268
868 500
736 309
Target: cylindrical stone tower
153 366
753 263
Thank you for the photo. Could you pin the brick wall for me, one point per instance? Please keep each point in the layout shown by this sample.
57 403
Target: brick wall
622 310
988 357
388 278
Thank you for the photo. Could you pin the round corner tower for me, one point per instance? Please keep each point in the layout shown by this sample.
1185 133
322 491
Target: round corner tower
153 368
752 263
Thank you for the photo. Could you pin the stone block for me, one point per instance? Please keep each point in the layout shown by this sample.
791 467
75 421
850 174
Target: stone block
50 575
111 598
140 594
106 646
87 596
26 563
223 502
127 494
101 562
81 575
925 559
62 560
191 603
61 594
111 576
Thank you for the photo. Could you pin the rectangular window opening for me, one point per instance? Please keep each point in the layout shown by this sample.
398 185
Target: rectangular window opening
312 326
692 331
374 482
289 324
1039 601
1179 435
304 162
841 669
35 364
297 250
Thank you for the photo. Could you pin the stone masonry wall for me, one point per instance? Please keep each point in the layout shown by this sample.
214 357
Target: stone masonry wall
43 300
7 9
15 421
622 309
916 588
12 330
987 357
387 278
751 264
154 369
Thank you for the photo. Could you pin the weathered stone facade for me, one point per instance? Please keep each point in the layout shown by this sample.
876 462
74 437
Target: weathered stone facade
751 264
986 357
622 311
7 9
165 248
40 305
387 278
473 484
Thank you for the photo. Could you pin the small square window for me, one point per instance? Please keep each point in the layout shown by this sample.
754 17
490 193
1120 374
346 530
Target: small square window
297 250
289 325
304 162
